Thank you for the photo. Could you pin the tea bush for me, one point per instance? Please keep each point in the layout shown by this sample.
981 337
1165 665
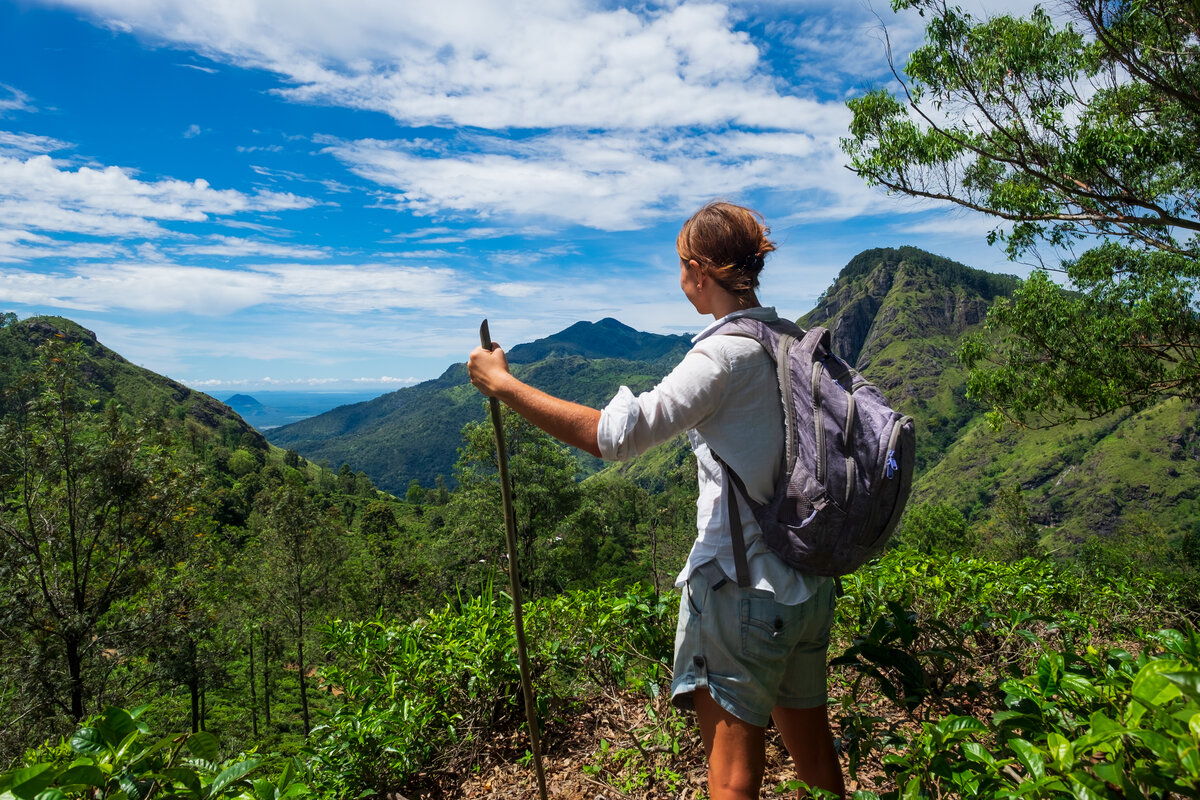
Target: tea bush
115 757
413 694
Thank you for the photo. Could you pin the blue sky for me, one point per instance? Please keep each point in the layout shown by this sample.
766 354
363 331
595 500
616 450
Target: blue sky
287 194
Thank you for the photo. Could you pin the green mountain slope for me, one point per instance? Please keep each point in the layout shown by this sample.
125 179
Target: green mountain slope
1135 473
898 315
111 377
413 433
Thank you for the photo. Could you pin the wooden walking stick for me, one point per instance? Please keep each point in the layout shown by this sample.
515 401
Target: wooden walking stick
510 533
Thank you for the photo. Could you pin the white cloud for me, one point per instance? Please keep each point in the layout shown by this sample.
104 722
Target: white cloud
13 99
203 291
20 145
235 247
39 194
479 63
192 131
19 246
611 183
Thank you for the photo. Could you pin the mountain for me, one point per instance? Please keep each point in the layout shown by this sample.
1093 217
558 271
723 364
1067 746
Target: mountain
413 433
899 315
109 376
604 339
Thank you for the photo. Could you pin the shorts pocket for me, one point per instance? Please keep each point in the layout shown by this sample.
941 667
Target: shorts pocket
696 591
763 627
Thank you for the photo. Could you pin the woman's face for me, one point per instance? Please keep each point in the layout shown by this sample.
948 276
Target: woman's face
689 273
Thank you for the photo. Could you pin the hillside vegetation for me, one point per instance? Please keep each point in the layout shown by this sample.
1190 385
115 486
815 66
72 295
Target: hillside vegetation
1030 634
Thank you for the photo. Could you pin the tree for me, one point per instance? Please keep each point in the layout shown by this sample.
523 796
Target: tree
545 493
302 549
85 500
936 527
1078 134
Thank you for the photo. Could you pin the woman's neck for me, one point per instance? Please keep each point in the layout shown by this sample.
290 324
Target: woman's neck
725 303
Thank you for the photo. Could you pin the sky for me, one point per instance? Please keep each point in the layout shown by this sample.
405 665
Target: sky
301 195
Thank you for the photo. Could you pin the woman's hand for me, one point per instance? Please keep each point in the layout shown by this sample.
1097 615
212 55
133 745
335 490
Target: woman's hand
488 369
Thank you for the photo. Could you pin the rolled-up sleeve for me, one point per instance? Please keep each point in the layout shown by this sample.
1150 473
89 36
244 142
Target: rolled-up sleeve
631 425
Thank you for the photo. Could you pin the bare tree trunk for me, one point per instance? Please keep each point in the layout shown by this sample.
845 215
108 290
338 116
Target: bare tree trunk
253 694
75 671
267 677
303 668
193 682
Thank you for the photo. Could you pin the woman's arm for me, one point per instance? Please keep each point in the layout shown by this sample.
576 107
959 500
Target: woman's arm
568 422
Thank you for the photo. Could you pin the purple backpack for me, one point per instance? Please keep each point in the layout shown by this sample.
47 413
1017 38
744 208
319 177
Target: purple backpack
847 458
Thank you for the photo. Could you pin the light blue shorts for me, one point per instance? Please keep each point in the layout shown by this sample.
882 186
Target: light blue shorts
750 652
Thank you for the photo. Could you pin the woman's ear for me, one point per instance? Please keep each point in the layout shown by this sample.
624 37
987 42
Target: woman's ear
699 274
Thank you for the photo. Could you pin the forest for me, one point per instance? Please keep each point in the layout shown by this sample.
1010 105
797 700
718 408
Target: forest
189 611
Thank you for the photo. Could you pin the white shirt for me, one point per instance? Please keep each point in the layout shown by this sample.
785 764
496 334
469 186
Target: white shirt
725 394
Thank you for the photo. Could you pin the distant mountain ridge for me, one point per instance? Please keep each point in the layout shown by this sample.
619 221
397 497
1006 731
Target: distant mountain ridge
607 338
414 433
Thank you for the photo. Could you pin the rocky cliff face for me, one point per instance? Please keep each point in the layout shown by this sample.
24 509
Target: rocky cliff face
899 315
888 294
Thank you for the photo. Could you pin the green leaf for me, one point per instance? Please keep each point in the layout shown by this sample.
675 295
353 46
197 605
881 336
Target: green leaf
229 775
116 726
1060 749
134 790
958 724
1029 756
1102 723
83 774
1085 787
29 782
203 745
1151 688
184 777
1162 746
88 740
263 789
1188 682
976 752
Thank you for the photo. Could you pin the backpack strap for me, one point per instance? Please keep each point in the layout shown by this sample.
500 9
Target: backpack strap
735 522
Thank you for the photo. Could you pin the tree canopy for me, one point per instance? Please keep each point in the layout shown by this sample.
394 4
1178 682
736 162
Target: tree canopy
1080 133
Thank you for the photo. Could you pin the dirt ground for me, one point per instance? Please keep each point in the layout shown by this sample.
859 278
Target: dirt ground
591 753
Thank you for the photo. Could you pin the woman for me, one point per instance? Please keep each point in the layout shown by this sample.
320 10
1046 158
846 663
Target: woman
742 656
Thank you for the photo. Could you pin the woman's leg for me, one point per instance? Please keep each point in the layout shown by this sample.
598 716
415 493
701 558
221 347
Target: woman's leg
809 741
735 749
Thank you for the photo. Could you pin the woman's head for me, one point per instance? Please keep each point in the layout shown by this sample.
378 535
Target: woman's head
729 242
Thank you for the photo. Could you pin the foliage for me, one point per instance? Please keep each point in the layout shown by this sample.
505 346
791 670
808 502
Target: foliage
1071 132
545 492
1088 724
87 500
947 639
935 526
414 695
114 756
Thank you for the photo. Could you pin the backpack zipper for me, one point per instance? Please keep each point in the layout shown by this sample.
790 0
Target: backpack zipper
818 422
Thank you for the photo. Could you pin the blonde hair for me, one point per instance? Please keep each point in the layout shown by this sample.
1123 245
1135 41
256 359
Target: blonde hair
729 242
